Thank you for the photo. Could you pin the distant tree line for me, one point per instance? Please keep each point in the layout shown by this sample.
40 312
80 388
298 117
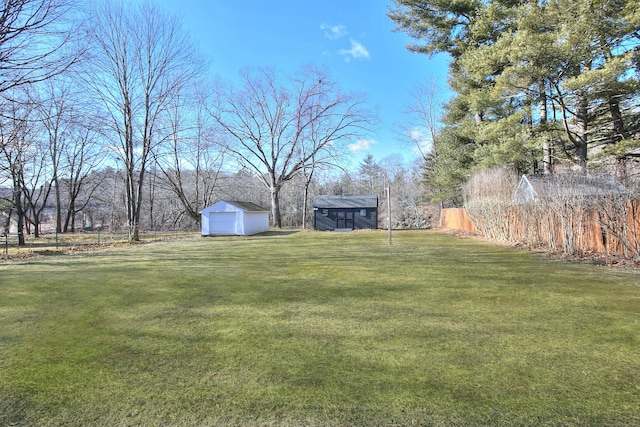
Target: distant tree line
99 203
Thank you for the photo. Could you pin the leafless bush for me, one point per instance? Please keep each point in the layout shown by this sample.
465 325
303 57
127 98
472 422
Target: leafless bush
488 197
619 218
567 199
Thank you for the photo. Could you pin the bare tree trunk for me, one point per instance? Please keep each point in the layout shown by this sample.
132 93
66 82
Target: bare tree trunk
58 205
17 201
69 220
305 202
275 206
132 224
547 165
152 197
581 124
135 232
619 133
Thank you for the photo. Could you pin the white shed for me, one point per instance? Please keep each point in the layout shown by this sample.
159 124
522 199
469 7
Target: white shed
234 218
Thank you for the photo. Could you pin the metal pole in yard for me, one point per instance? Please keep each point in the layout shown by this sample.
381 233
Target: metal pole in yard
389 210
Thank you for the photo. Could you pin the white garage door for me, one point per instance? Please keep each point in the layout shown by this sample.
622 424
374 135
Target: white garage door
222 223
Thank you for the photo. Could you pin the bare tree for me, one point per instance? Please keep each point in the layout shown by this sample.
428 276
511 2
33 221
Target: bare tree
190 161
54 108
268 122
142 61
15 139
82 156
319 160
29 156
409 206
72 145
424 113
36 187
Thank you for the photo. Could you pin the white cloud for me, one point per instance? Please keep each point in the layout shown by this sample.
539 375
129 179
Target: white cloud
357 51
361 145
333 32
422 140
418 135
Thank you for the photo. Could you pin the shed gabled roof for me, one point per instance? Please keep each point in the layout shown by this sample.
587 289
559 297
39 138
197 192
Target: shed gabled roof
336 202
234 206
247 206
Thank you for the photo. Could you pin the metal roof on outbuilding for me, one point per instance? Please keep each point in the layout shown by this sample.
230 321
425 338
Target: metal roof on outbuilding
247 206
338 202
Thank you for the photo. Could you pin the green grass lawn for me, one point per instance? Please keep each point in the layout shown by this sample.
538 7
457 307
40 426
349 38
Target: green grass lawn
317 329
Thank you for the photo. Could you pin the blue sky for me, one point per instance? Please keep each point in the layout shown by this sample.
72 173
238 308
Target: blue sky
352 39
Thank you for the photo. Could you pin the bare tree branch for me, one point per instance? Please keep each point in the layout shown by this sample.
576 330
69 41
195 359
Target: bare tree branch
35 41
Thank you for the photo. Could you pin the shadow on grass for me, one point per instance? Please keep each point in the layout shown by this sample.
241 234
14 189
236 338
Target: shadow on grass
278 233
270 233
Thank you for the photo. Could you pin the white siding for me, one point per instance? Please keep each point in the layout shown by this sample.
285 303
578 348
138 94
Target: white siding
255 222
204 223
